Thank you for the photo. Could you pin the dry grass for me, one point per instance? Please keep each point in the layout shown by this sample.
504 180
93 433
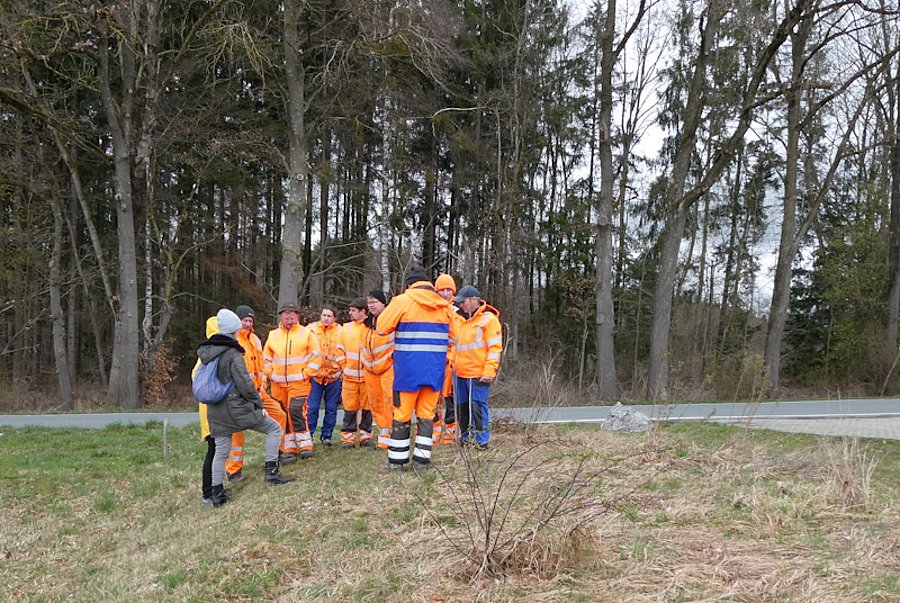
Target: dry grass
689 513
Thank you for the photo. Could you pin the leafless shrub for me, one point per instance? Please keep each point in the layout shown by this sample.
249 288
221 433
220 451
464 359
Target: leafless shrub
537 383
529 514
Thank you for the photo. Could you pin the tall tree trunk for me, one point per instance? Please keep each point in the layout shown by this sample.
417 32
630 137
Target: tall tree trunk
124 385
325 178
291 269
679 202
56 311
676 217
893 142
605 320
781 287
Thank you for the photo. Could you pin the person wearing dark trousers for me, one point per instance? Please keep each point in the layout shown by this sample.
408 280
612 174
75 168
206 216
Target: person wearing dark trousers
326 386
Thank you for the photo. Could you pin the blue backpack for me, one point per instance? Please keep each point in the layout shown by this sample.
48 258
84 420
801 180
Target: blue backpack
207 387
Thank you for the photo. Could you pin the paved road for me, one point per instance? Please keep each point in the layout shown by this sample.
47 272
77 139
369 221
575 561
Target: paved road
874 418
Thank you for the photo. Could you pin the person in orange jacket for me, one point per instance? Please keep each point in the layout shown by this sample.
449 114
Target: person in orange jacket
291 359
357 423
475 359
445 431
327 384
423 325
253 358
378 358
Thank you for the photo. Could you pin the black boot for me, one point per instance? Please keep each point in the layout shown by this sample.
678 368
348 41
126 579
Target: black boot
218 496
274 475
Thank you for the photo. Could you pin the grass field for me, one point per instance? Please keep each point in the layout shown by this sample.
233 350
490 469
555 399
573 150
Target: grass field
682 513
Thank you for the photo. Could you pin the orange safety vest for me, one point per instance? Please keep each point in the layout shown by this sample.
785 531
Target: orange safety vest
253 355
291 356
377 351
349 351
479 343
329 339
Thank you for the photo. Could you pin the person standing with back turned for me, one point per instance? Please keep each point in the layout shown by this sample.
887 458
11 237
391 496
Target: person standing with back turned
423 325
241 409
253 358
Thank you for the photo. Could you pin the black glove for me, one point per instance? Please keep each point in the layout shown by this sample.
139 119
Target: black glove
485 381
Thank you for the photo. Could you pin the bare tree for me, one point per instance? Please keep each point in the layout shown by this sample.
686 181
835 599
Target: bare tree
678 201
605 319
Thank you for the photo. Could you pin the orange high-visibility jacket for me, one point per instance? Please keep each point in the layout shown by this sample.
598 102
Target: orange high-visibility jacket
377 350
423 325
349 351
478 344
253 355
291 357
329 339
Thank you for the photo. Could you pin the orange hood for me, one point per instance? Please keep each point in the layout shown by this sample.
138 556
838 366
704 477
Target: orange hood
424 294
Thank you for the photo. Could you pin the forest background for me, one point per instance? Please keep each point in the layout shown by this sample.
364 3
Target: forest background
666 199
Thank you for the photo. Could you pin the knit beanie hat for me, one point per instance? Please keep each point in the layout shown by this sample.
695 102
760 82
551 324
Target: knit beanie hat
445 281
379 295
245 311
229 322
415 274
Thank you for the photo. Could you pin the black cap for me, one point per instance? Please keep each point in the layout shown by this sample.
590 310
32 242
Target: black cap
379 295
245 311
414 275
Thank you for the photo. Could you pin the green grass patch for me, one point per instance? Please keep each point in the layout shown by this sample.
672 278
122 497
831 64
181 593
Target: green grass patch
106 515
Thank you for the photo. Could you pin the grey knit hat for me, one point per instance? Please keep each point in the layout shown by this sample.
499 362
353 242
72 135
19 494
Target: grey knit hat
228 321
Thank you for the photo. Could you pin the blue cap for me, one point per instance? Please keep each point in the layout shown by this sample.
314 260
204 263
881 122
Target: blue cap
467 291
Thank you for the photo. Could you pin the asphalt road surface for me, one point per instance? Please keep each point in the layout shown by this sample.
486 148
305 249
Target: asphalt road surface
873 418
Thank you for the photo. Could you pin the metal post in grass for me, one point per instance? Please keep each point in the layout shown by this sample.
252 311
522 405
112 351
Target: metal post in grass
165 439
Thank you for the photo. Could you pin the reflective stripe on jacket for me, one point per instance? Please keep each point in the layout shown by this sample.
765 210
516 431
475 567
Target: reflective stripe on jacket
291 356
349 351
329 339
377 351
253 355
478 345
422 322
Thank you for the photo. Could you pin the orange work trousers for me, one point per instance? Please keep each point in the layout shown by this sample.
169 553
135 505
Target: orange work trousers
380 389
293 397
357 414
423 402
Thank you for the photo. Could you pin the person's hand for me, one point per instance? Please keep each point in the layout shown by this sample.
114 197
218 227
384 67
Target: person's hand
485 381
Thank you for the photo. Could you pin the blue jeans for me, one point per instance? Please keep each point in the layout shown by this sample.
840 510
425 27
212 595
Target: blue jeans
332 395
471 409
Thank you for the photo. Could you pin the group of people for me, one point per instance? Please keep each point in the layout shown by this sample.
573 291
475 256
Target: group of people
430 347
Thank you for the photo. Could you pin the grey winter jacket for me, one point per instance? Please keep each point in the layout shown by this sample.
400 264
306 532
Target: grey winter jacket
242 408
